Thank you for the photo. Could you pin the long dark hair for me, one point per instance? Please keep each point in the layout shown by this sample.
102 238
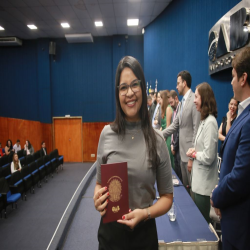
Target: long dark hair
118 125
10 144
208 102
29 145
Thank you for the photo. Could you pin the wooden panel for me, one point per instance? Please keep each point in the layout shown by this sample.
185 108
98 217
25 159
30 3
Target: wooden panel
91 133
4 135
47 136
68 138
35 132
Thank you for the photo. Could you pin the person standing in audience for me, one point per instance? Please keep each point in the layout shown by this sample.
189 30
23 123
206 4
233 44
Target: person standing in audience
231 198
131 138
17 146
175 104
187 122
151 107
43 150
166 120
15 164
28 148
204 170
156 121
228 120
8 148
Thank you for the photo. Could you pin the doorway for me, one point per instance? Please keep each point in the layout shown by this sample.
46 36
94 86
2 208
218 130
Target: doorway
67 137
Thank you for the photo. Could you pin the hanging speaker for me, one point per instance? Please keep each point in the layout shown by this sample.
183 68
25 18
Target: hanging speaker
52 48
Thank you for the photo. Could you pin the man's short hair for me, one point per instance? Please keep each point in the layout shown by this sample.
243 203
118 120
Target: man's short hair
172 94
42 142
18 140
241 63
149 97
185 76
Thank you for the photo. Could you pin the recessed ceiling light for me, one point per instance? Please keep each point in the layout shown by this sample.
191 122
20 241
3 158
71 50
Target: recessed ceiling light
132 22
99 24
65 25
1 28
32 26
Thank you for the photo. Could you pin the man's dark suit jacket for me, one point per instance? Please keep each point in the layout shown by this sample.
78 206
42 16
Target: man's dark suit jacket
232 196
42 152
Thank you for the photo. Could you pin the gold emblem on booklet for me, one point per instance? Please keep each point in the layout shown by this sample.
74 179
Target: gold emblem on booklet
115 188
115 209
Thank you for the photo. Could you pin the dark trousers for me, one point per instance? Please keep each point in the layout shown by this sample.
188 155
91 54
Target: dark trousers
177 165
203 203
115 236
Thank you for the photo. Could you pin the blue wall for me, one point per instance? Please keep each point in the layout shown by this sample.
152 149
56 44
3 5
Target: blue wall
80 81
178 40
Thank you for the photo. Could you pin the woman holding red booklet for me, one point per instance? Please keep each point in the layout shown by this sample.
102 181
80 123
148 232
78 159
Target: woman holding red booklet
131 138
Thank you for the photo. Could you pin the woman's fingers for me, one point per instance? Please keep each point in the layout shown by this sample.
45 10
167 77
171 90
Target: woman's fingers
102 207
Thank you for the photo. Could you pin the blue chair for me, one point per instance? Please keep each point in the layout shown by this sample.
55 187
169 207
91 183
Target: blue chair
17 182
9 195
35 175
5 172
56 159
1 204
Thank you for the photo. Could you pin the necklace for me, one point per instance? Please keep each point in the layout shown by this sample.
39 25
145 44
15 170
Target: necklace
135 133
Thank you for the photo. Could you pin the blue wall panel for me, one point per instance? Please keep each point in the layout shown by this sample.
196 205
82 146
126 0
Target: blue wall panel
79 82
43 79
19 92
178 40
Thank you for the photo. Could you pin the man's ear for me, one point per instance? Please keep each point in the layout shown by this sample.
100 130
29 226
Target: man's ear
243 79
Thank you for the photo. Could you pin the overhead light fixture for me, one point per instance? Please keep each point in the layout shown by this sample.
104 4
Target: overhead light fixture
65 25
98 24
132 22
143 31
32 26
1 28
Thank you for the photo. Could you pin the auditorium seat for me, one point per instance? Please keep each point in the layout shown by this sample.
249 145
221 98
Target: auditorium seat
20 153
27 180
36 155
35 175
10 194
48 165
4 160
17 181
41 169
10 157
29 159
22 161
56 160
1 204
5 172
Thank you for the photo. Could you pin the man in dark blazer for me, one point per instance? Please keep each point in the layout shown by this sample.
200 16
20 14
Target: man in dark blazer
43 150
231 198
175 104
187 122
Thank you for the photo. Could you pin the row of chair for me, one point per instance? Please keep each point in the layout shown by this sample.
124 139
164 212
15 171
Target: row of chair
21 153
33 172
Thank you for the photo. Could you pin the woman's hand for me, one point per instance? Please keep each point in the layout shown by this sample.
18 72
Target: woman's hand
100 200
133 218
229 115
190 152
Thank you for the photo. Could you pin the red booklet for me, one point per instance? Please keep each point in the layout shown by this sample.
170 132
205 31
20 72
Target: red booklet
115 178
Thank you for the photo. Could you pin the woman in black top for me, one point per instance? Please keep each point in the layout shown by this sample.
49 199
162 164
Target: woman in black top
227 121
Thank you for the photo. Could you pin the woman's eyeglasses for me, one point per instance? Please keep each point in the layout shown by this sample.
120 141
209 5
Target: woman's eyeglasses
135 87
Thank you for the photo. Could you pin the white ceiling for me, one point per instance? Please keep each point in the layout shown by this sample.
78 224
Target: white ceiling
47 15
